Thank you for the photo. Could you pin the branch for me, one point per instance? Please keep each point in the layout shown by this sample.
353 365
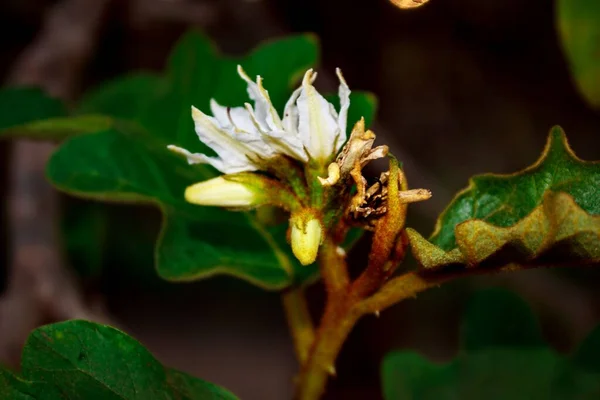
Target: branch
411 283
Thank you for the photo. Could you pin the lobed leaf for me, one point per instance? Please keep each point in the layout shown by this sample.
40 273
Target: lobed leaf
548 213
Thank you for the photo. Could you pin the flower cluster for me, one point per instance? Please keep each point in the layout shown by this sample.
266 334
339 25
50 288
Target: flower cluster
269 160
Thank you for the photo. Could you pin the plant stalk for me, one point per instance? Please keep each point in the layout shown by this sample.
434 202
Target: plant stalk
336 324
299 322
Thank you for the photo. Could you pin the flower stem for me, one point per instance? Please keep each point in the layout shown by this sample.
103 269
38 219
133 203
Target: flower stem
337 322
299 322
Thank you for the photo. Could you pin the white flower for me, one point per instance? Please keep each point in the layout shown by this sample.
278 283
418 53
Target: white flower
243 137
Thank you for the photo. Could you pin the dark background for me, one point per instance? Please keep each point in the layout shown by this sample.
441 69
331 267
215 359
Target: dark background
464 87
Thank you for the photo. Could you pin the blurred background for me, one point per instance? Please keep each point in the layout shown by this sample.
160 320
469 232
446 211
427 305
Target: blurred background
464 87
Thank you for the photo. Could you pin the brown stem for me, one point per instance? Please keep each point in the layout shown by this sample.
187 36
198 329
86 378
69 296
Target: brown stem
299 322
336 324
411 283
401 288
333 268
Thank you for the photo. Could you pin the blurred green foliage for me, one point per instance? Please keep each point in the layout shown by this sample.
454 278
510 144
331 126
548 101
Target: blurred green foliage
579 31
503 357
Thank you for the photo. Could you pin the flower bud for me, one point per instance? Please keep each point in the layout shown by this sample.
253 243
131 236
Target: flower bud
306 235
223 193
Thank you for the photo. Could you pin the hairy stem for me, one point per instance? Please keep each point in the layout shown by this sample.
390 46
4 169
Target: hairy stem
411 283
336 324
333 268
299 322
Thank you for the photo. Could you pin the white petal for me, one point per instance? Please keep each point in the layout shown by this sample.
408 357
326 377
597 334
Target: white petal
280 141
290 113
317 126
287 143
265 112
232 117
242 126
211 133
231 167
235 152
344 95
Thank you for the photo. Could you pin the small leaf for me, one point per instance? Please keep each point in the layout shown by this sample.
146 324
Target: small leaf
497 362
547 214
80 360
577 23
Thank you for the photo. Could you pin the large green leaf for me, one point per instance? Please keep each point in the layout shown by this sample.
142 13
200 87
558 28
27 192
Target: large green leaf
504 357
577 23
130 162
548 213
82 360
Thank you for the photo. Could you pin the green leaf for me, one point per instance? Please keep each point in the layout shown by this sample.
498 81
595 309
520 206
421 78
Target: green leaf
577 23
82 360
130 162
497 362
21 106
14 388
28 112
547 214
61 128
126 97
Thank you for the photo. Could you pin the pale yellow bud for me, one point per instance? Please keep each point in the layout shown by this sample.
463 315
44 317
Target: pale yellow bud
222 193
306 237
